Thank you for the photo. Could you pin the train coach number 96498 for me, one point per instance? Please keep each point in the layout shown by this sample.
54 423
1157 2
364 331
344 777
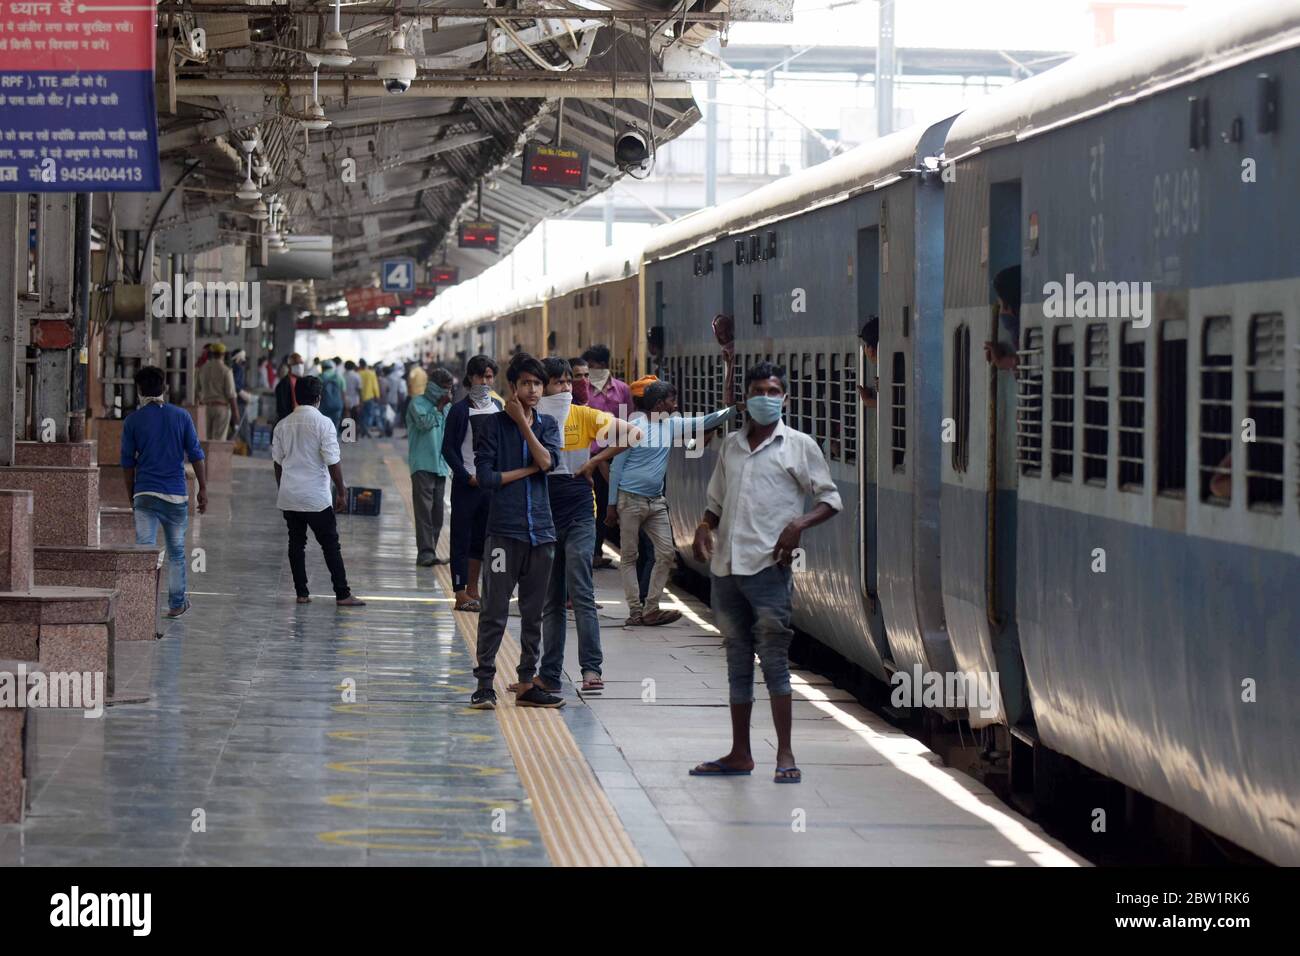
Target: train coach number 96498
1177 198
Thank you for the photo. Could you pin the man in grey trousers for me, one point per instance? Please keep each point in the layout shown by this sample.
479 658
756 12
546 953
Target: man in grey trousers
513 451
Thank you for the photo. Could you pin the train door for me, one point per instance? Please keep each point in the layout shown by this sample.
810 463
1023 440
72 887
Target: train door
1014 441
868 274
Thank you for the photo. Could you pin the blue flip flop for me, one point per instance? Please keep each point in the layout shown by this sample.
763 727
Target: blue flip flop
721 771
797 778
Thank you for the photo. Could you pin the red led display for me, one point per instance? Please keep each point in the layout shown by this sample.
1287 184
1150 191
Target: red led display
477 235
444 275
558 166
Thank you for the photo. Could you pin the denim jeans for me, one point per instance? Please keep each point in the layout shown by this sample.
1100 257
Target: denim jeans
753 613
150 512
571 576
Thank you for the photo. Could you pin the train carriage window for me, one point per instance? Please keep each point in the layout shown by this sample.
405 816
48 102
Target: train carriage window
1265 407
819 401
792 390
835 425
1096 402
961 398
738 376
1029 402
1171 409
806 402
1063 403
898 412
850 407
1132 409
1216 411
692 384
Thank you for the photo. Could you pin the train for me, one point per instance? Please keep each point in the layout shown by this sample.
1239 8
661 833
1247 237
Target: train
1108 527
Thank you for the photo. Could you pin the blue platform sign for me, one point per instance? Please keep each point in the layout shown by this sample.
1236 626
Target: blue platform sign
398 275
77 96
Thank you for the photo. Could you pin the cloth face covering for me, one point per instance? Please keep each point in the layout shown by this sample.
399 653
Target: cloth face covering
764 409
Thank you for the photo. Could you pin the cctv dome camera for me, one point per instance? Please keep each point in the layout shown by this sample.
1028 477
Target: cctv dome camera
631 148
396 73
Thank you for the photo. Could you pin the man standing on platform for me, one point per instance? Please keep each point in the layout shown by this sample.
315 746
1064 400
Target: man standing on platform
607 394
569 486
426 424
513 452
286 389
156 440
469 501
214 386
305 450
756 497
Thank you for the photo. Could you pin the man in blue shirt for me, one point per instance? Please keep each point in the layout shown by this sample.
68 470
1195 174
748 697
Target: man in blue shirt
156 440
513 451
636 493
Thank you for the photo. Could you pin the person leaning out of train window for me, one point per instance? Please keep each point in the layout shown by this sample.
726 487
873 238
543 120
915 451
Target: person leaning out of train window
1006 286
764 474
870 338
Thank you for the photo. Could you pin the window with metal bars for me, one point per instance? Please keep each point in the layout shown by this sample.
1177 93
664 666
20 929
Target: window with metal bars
898 412
794 390
738 376
806 395
1096 402
850 400
1029 402
1062 407
835 426
1171 409
693 385
1265 405
1132 409
819 401
1216 411
961 398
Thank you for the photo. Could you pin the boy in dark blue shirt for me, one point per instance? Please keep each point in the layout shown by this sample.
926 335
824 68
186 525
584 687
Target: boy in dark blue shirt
513 451
156 440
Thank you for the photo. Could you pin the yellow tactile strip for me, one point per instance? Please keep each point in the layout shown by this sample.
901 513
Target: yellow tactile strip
578 823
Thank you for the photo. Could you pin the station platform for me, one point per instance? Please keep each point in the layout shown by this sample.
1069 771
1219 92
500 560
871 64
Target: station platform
235 739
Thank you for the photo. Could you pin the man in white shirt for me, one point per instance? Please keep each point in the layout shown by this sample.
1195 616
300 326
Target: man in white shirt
305 450
770 463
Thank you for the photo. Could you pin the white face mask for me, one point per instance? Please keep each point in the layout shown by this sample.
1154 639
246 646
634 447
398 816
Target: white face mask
557 406
599 378
296 369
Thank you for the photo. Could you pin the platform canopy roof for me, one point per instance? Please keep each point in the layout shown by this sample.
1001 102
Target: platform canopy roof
394 173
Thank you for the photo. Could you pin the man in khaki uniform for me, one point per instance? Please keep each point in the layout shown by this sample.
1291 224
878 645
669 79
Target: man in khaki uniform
215 390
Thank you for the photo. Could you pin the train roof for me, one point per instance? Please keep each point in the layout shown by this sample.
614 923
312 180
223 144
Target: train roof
614 264
1093 83
861 168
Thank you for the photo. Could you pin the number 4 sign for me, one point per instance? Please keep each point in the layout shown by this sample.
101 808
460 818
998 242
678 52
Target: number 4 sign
398 275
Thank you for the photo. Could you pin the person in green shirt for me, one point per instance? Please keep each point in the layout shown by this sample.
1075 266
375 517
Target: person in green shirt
426 421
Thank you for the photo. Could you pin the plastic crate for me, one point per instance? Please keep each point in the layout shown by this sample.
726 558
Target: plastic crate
260 446
365 501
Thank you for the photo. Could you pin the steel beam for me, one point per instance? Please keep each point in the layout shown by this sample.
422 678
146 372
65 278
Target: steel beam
738 11
628 88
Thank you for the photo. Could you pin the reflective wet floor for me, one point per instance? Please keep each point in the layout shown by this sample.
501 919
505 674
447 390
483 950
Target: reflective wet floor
258 731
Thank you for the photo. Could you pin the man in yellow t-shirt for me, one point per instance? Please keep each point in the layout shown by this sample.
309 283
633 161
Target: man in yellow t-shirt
573 508
369 397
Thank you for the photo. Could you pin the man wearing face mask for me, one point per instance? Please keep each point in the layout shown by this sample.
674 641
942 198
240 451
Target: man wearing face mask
607 394
569 488
770 463
426 420
285 389
514 450
469 502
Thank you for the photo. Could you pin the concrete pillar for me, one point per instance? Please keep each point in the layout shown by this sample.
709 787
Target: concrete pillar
13 233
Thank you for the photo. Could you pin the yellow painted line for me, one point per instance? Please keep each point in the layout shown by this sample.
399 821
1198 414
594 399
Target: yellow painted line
578 824
363 839
417 803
